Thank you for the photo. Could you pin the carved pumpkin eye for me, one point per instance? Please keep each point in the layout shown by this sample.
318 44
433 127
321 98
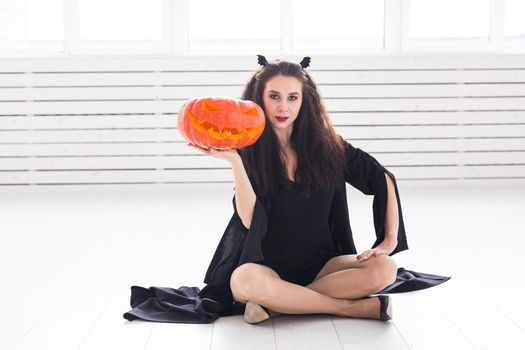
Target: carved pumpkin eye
252 111
221 123
206 106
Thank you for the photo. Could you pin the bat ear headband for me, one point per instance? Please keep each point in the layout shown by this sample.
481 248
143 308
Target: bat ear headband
262 61
305 62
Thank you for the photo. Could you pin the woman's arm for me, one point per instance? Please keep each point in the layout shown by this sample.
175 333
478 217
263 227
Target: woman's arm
389 243
244 195
392 218
366 174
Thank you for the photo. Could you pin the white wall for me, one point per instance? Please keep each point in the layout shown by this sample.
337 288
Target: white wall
113 120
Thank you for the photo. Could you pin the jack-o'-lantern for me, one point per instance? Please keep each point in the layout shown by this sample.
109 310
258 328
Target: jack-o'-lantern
221 122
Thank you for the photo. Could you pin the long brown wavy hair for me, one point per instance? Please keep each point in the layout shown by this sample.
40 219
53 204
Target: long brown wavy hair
320 151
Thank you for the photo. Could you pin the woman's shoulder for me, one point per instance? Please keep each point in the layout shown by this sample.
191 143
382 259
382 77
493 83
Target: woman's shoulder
349 149
343 141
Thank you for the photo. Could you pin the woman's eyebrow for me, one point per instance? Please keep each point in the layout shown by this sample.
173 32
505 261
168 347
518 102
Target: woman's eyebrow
278 93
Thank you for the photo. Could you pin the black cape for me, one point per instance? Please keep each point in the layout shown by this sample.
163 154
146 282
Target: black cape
240 245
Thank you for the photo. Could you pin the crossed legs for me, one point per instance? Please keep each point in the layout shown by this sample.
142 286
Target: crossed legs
339 288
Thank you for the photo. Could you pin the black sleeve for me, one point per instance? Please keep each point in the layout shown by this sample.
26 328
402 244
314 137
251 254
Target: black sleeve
365 173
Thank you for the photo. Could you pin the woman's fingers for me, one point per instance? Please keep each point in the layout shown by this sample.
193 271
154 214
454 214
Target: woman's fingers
203 150
367 254
362 256
208 151
227 154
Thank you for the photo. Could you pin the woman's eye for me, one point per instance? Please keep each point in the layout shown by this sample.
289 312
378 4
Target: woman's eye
275 97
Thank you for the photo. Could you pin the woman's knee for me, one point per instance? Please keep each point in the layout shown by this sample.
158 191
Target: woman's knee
248 279
383 271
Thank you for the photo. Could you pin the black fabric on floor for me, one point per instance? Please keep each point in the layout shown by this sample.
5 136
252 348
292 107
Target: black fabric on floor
191 305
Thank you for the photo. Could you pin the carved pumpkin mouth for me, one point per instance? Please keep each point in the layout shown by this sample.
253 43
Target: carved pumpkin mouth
221 134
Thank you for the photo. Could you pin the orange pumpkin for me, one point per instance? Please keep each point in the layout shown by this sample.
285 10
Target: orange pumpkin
221 122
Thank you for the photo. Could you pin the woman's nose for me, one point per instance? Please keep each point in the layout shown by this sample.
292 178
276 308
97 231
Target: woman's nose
283 107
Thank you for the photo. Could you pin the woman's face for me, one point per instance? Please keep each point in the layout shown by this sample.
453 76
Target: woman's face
282 99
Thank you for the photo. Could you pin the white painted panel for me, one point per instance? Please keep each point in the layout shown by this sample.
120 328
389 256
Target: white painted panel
93 149
126 78
225 175
466 172
115 176
327 91
153 77
249 62
71 136
356 132
88 122
420 90
445 144
437 104
374 76
93 107
450 158
427 118
332 105
181 148
434 131
338 119
204 162
134 162
117 93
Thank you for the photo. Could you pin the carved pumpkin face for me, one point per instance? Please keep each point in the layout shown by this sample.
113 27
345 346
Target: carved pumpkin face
221 122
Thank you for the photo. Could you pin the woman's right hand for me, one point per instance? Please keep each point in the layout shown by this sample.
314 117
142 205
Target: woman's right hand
230 155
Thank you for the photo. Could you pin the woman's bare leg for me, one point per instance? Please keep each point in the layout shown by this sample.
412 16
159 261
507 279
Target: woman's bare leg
291 298
345 277
261 285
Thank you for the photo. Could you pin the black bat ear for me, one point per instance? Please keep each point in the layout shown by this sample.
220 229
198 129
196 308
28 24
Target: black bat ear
305 62
262 60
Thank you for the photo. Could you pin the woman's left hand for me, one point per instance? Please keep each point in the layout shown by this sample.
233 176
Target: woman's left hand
370 253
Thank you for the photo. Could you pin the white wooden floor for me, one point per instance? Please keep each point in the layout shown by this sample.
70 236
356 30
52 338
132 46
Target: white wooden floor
68 256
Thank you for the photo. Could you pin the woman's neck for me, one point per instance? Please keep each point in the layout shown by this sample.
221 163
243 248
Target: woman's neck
284 137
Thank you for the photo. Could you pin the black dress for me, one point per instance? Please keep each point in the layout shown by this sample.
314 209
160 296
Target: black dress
299 260
298 241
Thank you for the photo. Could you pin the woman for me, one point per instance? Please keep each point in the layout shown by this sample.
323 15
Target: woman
297 167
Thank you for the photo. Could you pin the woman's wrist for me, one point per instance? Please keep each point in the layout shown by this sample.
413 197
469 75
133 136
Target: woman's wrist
389 244
236 161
